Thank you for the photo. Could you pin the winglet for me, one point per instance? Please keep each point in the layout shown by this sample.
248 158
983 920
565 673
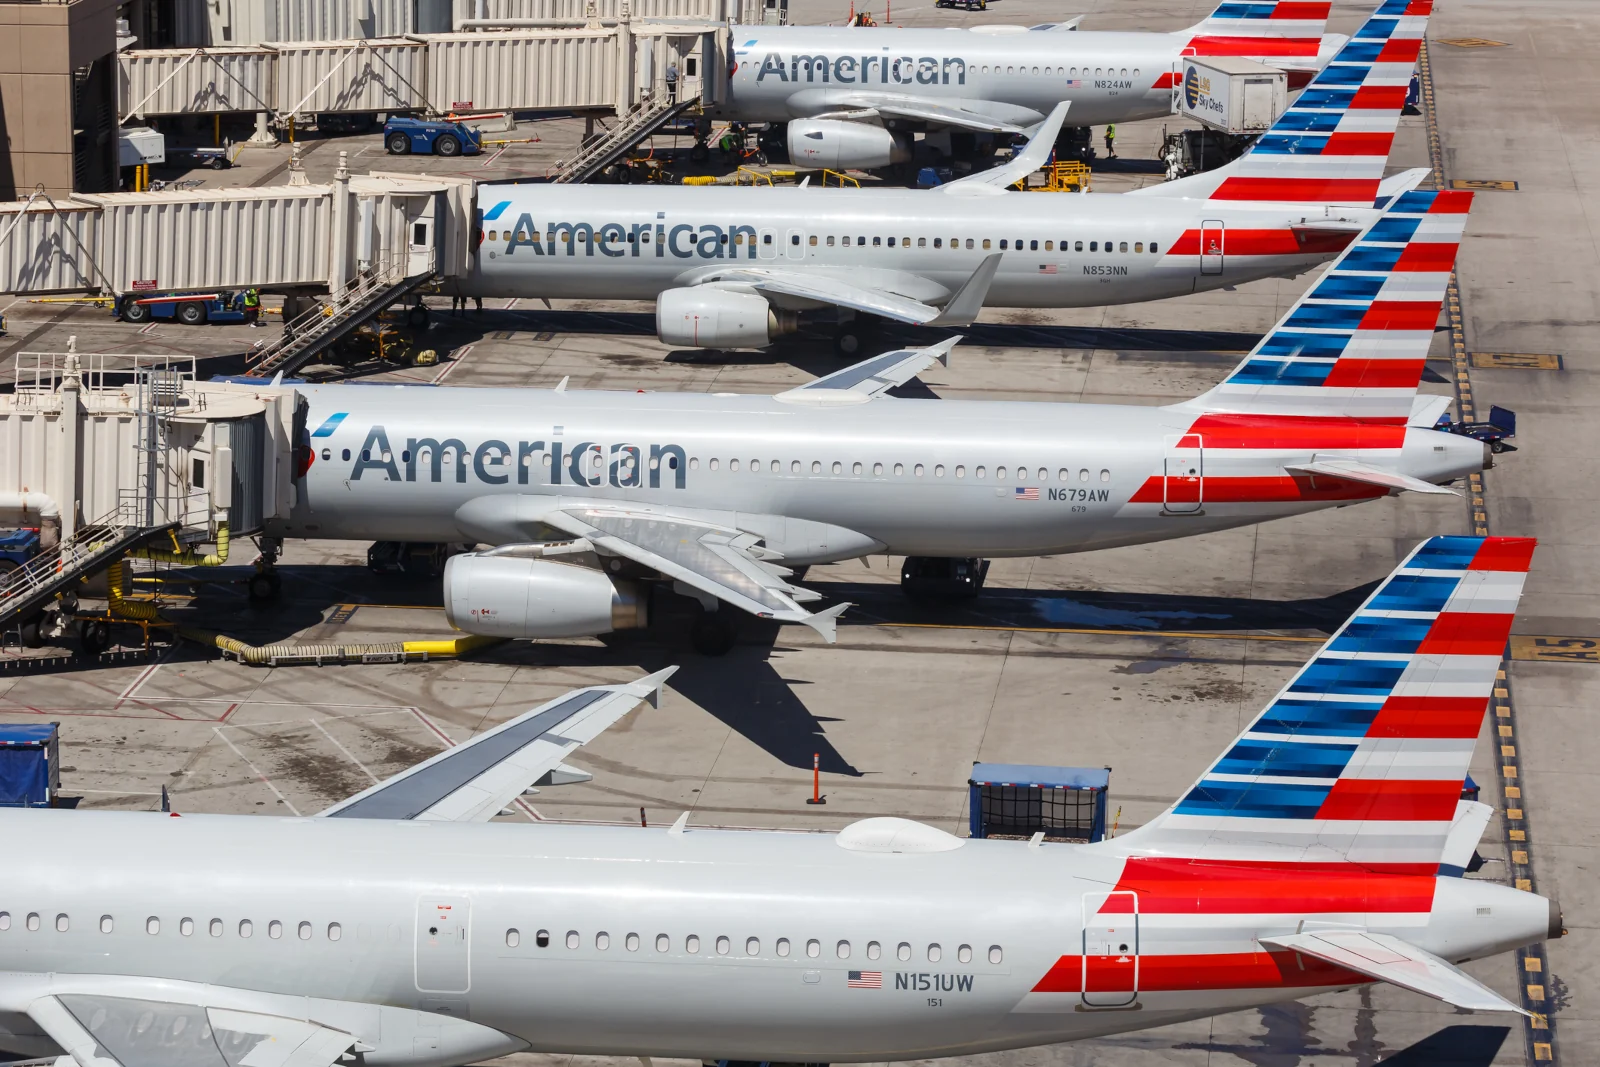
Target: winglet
1396 184
826 622
1036 154
1389 959
677 828
967 304
649 687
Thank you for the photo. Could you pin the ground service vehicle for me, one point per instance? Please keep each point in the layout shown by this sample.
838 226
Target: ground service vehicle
402 136
191 309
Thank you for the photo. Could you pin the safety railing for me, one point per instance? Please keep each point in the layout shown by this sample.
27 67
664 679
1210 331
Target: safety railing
840 180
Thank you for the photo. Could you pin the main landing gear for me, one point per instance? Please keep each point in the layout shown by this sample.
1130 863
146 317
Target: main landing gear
713 633
265 585
943 577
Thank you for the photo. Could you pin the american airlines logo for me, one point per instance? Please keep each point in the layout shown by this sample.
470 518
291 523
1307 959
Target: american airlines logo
495 462
864 70
614 239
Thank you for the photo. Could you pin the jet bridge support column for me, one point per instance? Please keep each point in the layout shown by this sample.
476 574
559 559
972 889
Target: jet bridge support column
69 427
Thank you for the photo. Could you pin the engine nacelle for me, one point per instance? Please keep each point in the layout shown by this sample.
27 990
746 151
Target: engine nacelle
845 145
510 596
704 317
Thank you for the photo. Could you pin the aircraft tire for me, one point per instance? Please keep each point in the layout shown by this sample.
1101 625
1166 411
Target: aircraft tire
850 340
699 153
264 587
417 317
712 634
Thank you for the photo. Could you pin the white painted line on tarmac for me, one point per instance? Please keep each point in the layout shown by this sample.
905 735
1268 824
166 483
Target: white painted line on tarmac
264 779
444 371
148 329
510 304
347 753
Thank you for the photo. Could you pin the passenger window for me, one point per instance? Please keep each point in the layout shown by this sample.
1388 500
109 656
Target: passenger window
1138 246
813 240
995 955
1094 246
186 927
733 465
663 943
766 238
961 471
1077 246
1153 248
1122 246
1083 475
304 931
713 464
861 241
783 946
1000 473
891 242
964 953
969 242
830 240
843 950
33 920
903 951
1033 246
723 944
602 941
838 468
877 242
106 924
632 942
542 939
985 244
513 938
874 950
917 470
979 472
152 925
216 927
335 931
794 238
855 468
274 929
904 241
1002 244
938 470
922 242
62 923
934 953
877 470
1044 475
691 944
938 242
752 946
694 463
1064 474
572 939
899 470
1105 476
813 948
794 466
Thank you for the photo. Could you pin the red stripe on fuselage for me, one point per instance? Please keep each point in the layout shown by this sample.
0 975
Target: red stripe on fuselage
1504 554
1438 717
1388 800
1201 971
1298 432
1168 80
1270 489
1254 46
1243 242
1168 885
1299 190
1467 633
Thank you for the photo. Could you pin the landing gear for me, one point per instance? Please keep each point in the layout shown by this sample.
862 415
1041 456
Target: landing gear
851 338
713 633
94 637
265 585
699 153
943 577
417 317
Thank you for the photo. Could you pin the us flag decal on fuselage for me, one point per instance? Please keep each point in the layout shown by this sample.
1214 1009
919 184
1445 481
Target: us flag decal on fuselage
865 980
1027 492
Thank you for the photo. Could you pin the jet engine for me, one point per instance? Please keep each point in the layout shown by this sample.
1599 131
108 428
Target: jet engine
845 145
705 317
514 596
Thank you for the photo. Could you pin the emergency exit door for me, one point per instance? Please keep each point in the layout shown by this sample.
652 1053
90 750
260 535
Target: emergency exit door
444 961
1212 246
1110 949
1183 482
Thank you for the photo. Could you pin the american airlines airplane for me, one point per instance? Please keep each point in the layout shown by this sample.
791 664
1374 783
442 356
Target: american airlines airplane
738 267
585 494
852 96
1324 849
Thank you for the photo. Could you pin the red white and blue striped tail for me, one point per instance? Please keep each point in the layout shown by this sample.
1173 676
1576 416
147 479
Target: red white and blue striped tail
1361 757
1355 344
1332 145
1291 29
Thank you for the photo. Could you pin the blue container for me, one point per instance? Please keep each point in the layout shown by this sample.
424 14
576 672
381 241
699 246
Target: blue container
1016 800
30 765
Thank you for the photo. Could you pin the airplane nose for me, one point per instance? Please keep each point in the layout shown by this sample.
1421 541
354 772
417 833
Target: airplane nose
1557 927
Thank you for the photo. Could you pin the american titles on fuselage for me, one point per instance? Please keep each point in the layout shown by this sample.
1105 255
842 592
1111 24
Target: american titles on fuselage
858 70
496 462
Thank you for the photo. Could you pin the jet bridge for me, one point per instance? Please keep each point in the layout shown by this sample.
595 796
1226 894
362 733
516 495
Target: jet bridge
111 455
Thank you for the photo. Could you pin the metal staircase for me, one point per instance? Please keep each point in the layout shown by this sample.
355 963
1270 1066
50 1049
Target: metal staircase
375 289
27 590
640 123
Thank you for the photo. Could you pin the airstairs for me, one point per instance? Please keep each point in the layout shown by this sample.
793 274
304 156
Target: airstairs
640 123
375 290
25 592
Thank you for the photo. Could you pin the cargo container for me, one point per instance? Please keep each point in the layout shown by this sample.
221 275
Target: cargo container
1235 96
30 765
1012 800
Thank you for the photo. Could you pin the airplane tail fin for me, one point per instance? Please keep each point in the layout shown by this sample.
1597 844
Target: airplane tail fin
1332 145
1355 343
1361 757
1236 28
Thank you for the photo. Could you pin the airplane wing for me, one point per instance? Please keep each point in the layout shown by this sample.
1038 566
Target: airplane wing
872 377
474 781
1035 155
1389 959
1350 470
857 105
960 310
1057 27
716 560
104 1031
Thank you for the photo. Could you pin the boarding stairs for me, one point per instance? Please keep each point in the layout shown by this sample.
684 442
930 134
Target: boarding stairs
95 546
617 142
376 289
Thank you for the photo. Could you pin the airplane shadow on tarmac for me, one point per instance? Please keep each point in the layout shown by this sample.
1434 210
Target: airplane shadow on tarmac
1452 1046
746 689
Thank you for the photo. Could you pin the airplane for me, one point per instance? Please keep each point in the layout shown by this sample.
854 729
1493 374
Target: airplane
586 495
1323 850
740 267
852 96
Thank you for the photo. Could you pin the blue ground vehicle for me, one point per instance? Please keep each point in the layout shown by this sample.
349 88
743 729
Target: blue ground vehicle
191 309
17 547
402 136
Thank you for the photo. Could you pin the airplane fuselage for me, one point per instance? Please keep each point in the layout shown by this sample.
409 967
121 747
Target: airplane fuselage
1059 250
705 944
825 482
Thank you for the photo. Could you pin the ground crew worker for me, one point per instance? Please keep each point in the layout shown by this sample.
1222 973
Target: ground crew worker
1111 137
252 307
672 83
728 145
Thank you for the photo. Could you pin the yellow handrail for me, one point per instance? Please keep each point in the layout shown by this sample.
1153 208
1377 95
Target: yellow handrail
840 178
756 176
1066 177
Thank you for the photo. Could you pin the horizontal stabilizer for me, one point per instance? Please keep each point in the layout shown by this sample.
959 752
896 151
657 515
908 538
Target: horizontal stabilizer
1360 472
1427 409
1389 959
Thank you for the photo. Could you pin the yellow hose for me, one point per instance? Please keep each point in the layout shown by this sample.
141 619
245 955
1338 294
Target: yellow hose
189 559
285 654
143 610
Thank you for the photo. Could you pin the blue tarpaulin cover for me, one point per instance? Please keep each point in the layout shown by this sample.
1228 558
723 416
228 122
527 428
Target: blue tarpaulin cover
24 766
1049 777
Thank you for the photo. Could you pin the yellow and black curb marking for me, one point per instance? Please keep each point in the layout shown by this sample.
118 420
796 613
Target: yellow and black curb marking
1519 360
1473 42
1484 185
1539 1031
